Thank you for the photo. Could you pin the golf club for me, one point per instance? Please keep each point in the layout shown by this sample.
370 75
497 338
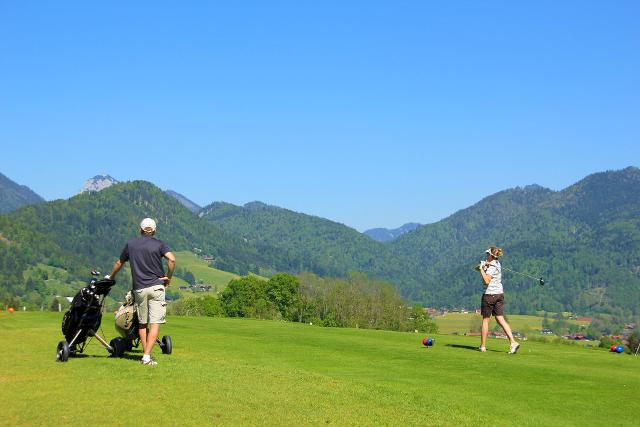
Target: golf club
540 280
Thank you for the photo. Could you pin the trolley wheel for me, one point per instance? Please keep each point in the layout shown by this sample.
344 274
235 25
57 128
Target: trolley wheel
165 345
118 346
62 355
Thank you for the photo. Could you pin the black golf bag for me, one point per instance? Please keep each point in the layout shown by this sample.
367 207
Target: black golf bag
83 318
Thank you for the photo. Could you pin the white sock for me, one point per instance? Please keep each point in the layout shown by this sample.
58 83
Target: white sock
146 357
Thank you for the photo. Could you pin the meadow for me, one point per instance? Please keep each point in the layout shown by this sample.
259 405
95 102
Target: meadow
201 270
250 372
459 323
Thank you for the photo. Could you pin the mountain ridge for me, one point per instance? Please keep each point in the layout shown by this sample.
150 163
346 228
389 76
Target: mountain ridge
388 235
13 195
584 239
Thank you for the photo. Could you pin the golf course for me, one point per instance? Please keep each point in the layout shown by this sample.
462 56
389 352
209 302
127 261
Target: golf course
226 371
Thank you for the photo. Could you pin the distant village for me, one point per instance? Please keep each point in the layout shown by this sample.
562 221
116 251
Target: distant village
198 288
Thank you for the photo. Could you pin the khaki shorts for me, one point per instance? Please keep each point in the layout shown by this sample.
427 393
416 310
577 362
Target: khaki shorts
492 304
150 304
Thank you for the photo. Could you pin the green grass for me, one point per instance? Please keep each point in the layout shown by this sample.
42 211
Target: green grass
201 270
241 371
460 323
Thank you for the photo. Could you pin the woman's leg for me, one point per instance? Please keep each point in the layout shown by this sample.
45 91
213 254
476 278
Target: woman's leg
485 331
506 328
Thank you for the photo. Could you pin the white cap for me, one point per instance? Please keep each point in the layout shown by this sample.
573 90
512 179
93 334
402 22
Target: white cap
148 224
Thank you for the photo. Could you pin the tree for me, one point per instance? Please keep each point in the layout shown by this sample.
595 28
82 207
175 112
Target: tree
189 277
422 322
283 290
240 296
634 341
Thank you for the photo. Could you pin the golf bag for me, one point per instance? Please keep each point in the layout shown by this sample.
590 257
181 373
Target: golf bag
83 318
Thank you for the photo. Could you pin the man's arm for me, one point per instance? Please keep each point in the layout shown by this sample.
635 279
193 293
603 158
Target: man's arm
116 267
171 265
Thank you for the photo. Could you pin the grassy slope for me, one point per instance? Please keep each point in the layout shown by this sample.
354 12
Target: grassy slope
238 371
201 270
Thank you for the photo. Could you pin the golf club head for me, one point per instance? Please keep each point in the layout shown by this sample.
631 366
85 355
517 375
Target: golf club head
541 281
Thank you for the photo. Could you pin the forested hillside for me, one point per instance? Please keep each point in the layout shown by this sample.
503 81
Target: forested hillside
13 195
584 240
89 230
310 243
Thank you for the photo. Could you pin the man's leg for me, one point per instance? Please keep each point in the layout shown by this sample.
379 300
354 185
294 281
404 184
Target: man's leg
485 332
157 315
152 335
142 333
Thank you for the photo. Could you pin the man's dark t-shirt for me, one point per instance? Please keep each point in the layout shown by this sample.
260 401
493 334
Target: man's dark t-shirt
145 257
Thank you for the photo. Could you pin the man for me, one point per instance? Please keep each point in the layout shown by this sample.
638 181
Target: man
145 254
493 298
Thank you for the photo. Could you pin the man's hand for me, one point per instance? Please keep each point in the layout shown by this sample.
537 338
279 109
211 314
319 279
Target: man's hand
166 280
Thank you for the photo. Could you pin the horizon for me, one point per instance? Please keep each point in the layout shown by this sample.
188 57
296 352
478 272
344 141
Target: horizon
371 114
202 206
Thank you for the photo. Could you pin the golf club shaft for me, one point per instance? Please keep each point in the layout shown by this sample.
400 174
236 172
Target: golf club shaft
522 274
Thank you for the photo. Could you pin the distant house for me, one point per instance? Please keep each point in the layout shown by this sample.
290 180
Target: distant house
200 288
208 258
584 319
430 311
546 332
577 337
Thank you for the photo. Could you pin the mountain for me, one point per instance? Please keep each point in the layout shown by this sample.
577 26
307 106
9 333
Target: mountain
386 235
310 243
98 183
584 240
90 229
13 196
192 206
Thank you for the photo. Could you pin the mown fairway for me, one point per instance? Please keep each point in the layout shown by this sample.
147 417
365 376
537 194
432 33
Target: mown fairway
237 371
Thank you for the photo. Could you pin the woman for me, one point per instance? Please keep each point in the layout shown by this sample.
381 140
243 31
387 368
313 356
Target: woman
493 298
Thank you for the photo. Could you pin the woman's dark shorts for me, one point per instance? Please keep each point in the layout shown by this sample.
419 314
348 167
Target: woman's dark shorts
492 304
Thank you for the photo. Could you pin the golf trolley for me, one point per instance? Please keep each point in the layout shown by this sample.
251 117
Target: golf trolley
127 325
83 319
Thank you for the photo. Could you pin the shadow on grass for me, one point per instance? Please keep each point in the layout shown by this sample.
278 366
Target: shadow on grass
468 347
133 355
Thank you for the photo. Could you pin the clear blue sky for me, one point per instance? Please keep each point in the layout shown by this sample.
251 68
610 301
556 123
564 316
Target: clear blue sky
367 113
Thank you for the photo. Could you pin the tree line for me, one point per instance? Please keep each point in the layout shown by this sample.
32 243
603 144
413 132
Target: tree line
356 301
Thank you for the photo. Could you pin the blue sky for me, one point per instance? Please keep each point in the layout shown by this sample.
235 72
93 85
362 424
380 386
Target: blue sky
367 113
